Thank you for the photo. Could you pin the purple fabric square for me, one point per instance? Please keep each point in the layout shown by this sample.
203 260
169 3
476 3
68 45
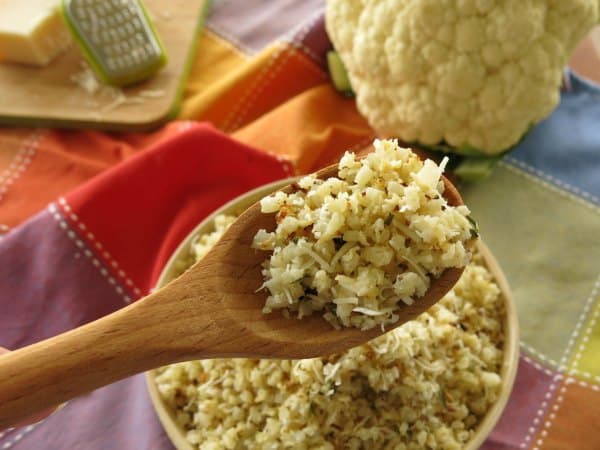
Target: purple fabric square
39 260
253 24
531 396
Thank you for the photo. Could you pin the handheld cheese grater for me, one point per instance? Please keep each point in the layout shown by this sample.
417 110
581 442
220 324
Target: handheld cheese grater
116 37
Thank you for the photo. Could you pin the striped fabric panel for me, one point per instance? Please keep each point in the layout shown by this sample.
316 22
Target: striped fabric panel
48 300
118 416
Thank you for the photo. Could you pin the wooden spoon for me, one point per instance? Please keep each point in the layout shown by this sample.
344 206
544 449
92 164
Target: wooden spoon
210 311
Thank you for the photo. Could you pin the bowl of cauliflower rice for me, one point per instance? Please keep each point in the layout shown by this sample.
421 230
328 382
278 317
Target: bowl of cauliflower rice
440 381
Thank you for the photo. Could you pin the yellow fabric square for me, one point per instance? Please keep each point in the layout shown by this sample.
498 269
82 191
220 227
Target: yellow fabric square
586 357
215 70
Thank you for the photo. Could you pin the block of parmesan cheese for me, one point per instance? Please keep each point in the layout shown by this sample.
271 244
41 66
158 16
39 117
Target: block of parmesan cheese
32 31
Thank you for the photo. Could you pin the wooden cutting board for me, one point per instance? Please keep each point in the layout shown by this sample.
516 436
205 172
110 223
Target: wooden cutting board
49 96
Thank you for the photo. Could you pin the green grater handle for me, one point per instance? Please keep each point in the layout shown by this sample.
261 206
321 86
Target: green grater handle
93 54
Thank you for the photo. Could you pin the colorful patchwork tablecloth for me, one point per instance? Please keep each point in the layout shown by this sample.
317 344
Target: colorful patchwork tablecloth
88 219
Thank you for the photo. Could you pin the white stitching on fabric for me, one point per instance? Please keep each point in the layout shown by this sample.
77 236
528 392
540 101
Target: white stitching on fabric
548 423
288 168
539 413
299 32
587 375
307 51
53 209
110 260
22 158
239 109
17 437
577 329
570 380
538 366
317 70
594 318
562 364
586 385
21 162
242 48
553 183
286 164
571 193
19 157
552 386
539 355
585 199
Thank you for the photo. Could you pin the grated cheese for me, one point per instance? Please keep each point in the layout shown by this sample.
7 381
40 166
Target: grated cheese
361 235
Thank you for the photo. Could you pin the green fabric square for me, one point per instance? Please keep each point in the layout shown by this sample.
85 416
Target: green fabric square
548 244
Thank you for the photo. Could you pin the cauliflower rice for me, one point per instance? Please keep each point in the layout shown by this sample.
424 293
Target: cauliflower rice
425 385
359 245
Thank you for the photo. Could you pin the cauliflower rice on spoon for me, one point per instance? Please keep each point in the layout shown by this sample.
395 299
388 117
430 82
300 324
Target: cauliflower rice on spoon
357 246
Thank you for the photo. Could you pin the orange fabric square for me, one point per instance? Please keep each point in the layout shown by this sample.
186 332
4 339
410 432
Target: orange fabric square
312 129
569 425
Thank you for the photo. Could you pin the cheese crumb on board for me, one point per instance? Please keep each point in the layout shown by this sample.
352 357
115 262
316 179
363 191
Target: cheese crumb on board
32 31
86 80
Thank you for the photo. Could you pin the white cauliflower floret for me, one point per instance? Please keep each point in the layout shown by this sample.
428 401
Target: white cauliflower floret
475 74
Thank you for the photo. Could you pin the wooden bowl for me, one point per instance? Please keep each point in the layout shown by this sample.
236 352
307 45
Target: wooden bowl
182 258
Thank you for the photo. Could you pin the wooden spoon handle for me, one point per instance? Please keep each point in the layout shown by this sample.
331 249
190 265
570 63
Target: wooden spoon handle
55 370
159 329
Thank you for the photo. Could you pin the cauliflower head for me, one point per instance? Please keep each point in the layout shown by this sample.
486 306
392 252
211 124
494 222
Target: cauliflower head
469 73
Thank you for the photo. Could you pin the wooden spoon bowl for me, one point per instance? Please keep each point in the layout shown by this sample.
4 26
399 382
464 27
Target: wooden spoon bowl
212 310
273 335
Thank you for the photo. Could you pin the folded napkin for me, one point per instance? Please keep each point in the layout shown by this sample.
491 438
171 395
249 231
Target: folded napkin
102 246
